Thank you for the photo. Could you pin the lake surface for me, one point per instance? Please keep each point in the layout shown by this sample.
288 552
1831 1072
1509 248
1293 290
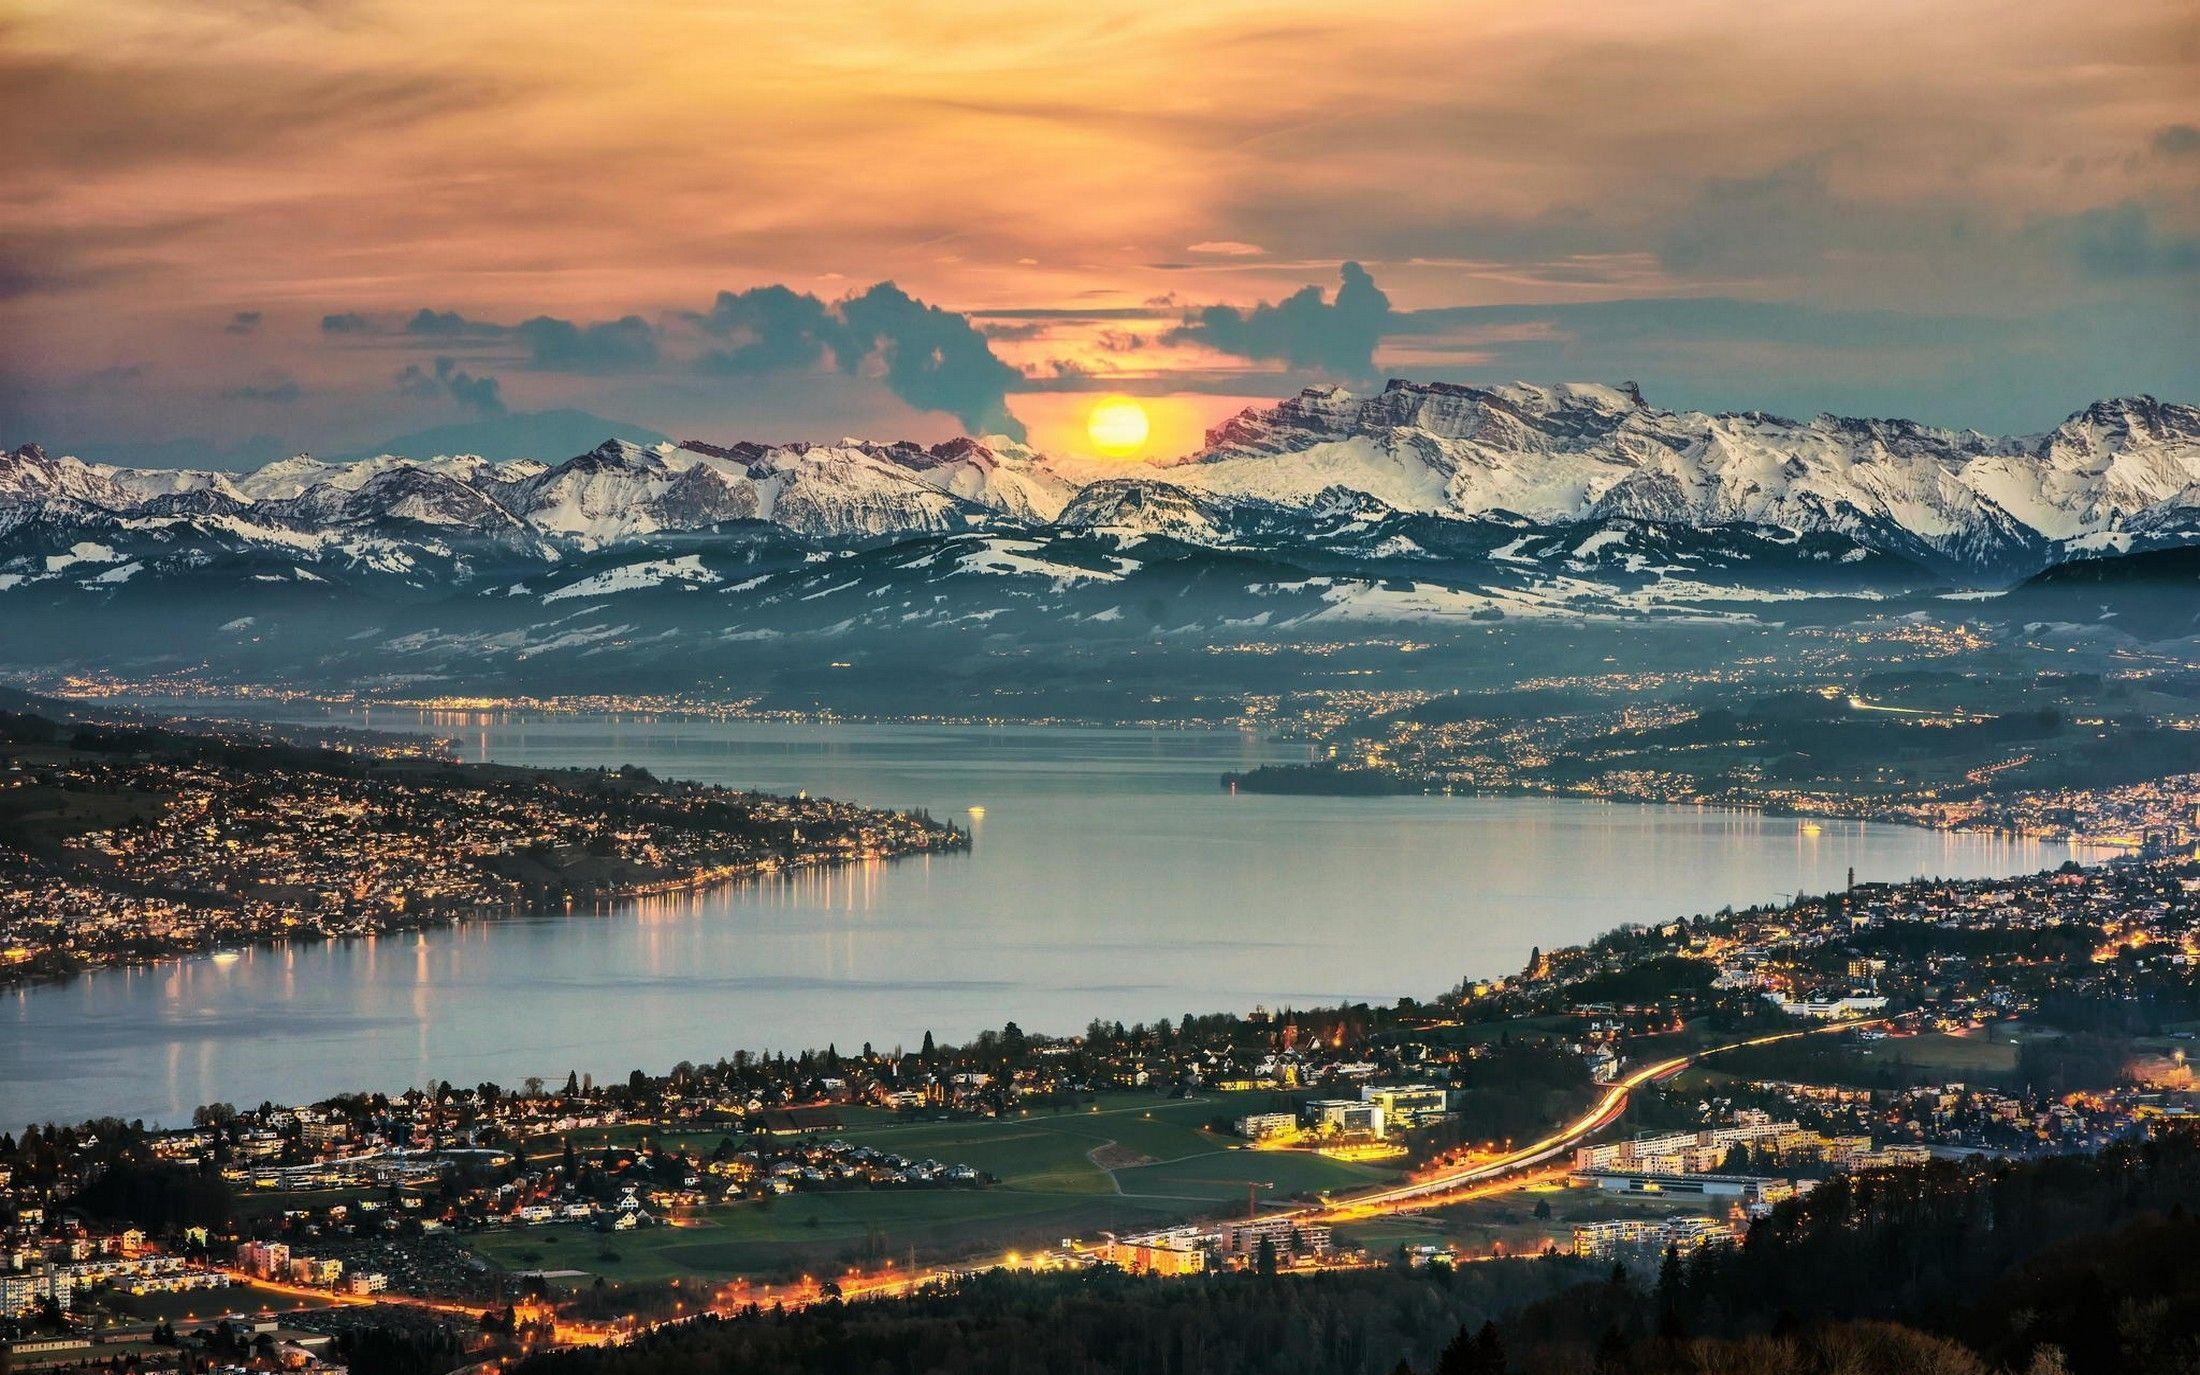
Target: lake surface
1110 877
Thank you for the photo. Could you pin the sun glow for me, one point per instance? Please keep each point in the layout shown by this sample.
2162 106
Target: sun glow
1117 426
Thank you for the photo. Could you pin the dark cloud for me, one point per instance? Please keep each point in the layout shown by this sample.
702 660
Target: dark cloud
449 324
934 359
276 389
243 322
1335 336
549 344
627 344
2122 241
481 395
2177 140
766 329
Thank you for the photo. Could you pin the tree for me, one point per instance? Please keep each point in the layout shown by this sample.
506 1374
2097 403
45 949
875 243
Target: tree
1479 1353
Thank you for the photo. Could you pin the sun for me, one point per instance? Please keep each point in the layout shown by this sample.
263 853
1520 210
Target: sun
1117 426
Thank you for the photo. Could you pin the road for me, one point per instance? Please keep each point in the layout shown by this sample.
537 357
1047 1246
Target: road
1605 1111
1466 1181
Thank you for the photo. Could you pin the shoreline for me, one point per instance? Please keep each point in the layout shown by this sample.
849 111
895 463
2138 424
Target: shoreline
702 881
1410 788
1497 986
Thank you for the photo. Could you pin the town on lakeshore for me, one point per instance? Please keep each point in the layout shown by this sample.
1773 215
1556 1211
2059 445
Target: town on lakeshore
128 842
1644 1100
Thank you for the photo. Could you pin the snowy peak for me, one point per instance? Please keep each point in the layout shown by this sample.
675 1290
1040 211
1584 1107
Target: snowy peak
1573 452
2121 471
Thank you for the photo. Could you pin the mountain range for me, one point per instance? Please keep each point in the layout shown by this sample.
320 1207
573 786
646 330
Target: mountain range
1419 502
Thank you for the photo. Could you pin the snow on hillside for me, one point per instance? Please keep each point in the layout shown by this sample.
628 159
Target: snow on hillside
1556 455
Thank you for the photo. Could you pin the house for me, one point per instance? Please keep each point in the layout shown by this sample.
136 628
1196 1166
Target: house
796 1121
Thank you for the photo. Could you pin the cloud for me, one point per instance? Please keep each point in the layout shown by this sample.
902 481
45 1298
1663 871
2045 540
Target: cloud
117 106
1228 248
623 345
449 324
765 329
243 322
275 389
2177 140
2122 241
550 344
481 395
2008 373
1336 336
934 359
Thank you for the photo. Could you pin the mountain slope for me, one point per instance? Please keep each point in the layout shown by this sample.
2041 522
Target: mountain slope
1420 502
1967 502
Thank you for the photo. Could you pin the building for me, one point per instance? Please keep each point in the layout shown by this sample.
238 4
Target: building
21 1290
1830 1009
16 1293
1178 1251
796 1121
1408 1105
1625 1237
1290 1241
47 1350
1343 1116
1266 1126
267 1259
1743 1188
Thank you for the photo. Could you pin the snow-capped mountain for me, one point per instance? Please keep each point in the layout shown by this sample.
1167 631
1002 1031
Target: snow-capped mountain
1455 486
1964 501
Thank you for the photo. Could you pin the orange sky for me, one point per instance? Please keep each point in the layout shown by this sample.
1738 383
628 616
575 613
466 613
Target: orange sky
1085 174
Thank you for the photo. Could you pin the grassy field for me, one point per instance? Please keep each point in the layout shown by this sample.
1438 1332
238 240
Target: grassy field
193 1305
1168 1166
1986 1057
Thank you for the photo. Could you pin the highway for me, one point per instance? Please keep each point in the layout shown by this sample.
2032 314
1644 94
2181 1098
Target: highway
1605 1111
1481 1177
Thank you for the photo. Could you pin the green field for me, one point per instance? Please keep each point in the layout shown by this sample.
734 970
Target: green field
105 1306
1168 1167
1986 1057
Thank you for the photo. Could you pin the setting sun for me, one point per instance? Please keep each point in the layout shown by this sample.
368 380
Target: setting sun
1117 426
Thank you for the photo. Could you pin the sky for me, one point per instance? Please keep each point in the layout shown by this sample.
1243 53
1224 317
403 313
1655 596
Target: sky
241 228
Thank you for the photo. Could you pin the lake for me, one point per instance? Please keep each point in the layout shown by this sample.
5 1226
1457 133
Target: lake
1110 877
